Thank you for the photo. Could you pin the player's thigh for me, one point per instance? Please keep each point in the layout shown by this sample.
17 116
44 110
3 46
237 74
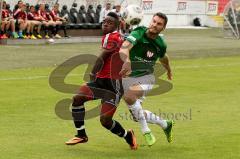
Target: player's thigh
100 89
34 22
12 21
83 94
113 91
4 22
133 93
51 23
58 22
45 23
138 86
38 22
20 21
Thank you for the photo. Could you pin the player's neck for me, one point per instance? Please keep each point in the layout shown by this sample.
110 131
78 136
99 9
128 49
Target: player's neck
151 35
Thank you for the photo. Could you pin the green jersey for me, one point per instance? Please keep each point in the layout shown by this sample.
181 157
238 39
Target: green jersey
145 51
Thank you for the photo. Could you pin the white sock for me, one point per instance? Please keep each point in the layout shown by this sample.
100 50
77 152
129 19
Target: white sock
138 114
154 119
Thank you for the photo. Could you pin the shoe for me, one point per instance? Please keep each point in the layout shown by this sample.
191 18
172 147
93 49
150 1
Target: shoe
20 35
168 130
33 37
15 35
131 140
150 138
4 36
77 140
57 36
39 36
47 37
25 37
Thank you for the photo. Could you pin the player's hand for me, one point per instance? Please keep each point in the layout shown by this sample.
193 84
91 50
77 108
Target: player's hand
126 69
169 75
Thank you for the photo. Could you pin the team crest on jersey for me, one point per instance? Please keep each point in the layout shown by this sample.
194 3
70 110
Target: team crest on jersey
150 54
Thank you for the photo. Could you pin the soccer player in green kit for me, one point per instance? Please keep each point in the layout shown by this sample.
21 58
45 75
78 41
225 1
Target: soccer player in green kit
140 51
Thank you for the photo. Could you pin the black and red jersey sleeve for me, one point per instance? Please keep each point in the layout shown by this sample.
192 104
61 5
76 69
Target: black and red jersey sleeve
111 42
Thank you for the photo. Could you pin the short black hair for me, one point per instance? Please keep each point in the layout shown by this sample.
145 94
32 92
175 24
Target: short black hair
163 16
115 16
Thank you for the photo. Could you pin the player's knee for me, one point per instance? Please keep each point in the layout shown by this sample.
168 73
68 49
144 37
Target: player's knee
129 99
78 100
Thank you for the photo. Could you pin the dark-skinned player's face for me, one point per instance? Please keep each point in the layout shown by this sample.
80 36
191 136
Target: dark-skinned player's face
157 25
109 25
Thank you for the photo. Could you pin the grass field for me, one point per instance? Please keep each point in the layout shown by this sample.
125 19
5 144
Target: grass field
206 93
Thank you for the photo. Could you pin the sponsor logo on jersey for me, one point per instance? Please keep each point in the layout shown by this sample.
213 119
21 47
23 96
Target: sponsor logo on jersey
150 54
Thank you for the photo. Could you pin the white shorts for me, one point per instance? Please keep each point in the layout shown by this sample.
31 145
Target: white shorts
145 82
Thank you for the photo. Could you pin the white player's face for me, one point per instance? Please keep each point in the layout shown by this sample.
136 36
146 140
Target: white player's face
32 9
157 25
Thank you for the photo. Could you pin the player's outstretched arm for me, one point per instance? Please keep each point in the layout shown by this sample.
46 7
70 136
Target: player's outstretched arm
124 54
99 63
165 62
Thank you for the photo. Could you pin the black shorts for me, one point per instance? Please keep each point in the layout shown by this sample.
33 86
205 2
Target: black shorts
109 90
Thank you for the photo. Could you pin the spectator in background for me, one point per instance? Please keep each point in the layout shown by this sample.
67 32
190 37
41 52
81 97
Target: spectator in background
18 5
7 23
8 8
59 21
4 23
46 20
21 20
27 7
104 12
35 20
122 25
117 9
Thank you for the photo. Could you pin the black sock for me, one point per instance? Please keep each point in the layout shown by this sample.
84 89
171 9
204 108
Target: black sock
78 114
57 29
118 129
128 138
53 29
46 30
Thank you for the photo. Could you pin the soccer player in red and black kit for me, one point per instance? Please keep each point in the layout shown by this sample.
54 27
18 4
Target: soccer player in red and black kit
21 19
46 20
35 20
106 86
59 21
7 23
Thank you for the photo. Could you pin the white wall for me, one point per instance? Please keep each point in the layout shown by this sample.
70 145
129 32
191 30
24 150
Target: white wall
177 17
183 20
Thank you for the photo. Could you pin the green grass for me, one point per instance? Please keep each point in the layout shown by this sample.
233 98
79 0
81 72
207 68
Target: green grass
206 81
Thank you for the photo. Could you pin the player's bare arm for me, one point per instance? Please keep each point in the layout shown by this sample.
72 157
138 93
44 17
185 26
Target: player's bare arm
99 63
165 62
124 54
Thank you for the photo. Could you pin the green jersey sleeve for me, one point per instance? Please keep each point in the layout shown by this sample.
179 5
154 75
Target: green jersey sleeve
136 35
